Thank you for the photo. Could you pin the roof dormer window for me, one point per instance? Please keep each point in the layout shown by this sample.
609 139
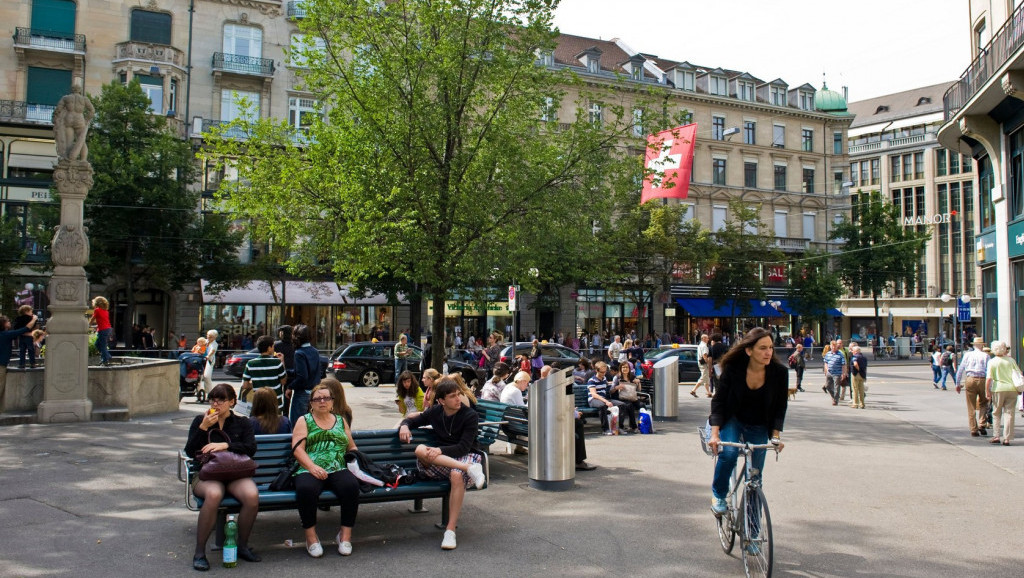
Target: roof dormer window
591 59
806 100
684 80
881 108
546 58
778 95
745 90
924 100
718 85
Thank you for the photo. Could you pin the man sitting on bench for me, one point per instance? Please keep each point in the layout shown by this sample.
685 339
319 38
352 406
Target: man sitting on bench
455 426
581 444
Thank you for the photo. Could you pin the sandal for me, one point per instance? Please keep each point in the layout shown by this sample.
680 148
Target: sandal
993 441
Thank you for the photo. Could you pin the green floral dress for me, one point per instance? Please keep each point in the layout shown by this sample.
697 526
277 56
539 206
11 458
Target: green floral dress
326 447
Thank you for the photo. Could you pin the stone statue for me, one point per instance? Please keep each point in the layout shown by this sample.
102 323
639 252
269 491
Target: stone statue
71 121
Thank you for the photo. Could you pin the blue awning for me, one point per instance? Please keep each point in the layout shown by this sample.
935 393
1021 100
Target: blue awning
787 307
705 307
758 310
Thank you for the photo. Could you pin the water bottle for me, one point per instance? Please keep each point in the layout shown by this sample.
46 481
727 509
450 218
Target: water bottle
230 553
444 368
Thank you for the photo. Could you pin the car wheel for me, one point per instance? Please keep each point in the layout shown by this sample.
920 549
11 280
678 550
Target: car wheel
370 378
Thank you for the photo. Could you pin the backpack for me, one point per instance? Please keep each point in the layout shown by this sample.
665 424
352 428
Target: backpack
792 361
946 358
371 474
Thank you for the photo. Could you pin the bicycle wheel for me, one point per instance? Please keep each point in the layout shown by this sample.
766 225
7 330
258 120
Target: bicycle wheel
756 534
726 530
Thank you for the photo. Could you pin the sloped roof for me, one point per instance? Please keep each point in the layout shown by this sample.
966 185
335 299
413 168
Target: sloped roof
900 105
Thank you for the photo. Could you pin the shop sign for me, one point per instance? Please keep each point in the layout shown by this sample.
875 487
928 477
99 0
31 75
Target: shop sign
777 273
936 219
1015 239
471 309
985 248
28 194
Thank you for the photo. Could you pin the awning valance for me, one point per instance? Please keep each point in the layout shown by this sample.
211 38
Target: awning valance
788 308
705 307
295 293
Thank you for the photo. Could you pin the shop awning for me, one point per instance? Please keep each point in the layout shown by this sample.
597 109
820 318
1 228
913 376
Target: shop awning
296 293
705 307
786 307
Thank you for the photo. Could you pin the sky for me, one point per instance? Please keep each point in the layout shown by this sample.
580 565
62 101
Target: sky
875 47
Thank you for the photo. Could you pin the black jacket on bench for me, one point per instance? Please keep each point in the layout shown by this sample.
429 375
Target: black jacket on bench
243 441
455 435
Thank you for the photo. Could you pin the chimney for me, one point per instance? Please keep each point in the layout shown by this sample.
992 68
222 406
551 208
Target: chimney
846 93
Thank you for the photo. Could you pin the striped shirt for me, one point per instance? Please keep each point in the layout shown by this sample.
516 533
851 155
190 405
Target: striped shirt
265 371
974 364
834 362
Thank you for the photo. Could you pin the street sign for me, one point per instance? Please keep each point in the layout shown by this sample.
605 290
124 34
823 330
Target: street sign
511 297
963 311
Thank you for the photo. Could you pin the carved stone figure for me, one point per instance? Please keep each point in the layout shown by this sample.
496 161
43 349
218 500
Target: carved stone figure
71 121
70 246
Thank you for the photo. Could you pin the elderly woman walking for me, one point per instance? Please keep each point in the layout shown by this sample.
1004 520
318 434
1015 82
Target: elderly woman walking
1001 393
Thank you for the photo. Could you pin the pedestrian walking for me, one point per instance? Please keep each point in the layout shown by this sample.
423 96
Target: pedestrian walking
858 375
1001 392
971 378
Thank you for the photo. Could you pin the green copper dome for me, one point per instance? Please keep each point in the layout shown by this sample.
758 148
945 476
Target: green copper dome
826 100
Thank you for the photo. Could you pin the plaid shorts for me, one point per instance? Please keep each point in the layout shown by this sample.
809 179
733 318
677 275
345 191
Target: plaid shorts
436 472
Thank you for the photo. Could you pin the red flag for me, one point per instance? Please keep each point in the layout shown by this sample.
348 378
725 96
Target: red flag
670 157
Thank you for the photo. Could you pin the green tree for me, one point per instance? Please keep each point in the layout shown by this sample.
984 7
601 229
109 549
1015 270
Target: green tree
813 287
878 250
12 253
441 165
743 246
145 229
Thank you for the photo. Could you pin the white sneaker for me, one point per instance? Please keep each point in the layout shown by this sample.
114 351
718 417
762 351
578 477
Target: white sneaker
449 538
476 473
344 548
315 549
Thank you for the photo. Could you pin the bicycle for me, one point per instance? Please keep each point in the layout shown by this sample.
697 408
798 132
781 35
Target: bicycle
747 515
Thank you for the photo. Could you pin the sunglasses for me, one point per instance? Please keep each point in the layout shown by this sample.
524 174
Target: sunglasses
321 399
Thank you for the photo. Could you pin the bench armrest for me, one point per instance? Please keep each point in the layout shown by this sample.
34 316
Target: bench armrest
185 474
493 423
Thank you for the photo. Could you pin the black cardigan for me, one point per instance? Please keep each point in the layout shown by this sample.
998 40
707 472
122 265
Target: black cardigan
243 441
727 394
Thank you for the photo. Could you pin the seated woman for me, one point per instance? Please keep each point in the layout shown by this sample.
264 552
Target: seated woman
408 395
465 392
632 407
428 381
200 441
582 373
341 406
323 438
491 390
597 396
266 416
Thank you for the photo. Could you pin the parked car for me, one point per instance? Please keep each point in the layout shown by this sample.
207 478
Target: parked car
469 371
235 363
557 356
369 364
687 354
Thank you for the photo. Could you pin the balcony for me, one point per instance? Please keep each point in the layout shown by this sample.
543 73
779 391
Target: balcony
239 64
1003 46
49 40
149 54
892 143
296 10
791 244
20 111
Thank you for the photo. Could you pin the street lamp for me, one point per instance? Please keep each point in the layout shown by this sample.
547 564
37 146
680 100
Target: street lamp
965 299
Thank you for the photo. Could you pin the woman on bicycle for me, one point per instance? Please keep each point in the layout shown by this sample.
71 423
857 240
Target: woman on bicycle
749 404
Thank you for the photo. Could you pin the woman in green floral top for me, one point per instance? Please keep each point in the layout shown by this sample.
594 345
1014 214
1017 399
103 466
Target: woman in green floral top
321 456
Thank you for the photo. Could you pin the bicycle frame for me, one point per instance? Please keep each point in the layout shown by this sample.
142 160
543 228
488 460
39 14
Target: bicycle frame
755 534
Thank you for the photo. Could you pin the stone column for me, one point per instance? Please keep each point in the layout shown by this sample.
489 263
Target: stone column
66 389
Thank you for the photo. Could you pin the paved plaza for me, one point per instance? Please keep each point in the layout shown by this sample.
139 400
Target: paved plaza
897 489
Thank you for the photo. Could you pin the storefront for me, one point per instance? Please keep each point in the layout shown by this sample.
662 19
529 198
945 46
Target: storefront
700 314
336 315
467 318
609 312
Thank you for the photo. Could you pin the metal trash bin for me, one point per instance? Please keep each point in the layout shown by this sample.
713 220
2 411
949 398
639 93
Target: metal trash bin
903 347
552 460
666 389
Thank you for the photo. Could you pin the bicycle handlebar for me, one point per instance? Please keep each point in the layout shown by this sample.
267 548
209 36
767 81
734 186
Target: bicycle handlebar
768 446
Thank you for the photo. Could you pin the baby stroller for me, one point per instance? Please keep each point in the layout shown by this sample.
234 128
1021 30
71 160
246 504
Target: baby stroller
192 366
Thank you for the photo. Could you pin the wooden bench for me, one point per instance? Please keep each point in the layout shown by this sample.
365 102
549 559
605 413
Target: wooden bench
502 422
580 391
381 446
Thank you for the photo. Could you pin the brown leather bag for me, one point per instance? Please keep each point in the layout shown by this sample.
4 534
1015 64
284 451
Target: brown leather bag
225 466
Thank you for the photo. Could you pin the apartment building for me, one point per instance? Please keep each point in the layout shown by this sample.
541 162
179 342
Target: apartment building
894 149
983 117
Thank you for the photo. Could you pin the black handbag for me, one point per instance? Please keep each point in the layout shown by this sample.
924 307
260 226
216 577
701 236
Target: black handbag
285 478
225 466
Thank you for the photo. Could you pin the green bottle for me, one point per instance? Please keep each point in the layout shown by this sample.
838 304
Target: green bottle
230 554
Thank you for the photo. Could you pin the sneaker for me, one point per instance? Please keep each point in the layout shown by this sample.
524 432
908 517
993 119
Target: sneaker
982 431
607 433
718 506
448 543
476 473
344 548
315 549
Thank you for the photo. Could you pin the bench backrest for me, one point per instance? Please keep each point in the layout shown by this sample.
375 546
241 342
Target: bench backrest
491 411
381 446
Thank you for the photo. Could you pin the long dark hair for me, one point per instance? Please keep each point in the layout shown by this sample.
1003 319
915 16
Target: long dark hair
265 410
302 334
401 390
737 354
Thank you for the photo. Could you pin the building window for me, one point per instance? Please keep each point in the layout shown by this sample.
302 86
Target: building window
303 46
55 18
778 95
749 132
894 169
807 140
808 222
808 181
919 165
940 162
548 111
1016 172
593 64
685 80
45 88
231 104
302 112
750 175
919 208
243 40
153 86
718 171
638 122
837 143
596 114
908 167
806 100
745 90
151 27
719 85
780 177
837 181
965 166
688 212
718 214
781 224
854 173
718 127
779 136
875 169
954 163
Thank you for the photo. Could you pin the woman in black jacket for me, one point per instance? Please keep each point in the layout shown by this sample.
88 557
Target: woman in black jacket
749 404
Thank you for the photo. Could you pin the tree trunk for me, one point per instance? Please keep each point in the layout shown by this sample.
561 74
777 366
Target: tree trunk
437 329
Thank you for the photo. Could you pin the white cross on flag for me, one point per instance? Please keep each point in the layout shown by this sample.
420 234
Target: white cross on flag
669 162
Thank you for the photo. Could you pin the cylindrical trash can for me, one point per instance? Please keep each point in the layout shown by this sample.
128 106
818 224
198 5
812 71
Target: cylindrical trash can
666 389
903 347
552 449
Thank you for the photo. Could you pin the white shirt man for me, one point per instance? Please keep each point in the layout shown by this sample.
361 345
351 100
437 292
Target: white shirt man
703 362
614 349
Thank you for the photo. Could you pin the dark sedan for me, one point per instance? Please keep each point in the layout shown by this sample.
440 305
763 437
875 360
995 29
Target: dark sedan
557 356
369 364
235 363
687 354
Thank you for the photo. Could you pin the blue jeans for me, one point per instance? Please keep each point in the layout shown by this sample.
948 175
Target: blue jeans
936 373
734 431
947 370
401 364
300 405
102 340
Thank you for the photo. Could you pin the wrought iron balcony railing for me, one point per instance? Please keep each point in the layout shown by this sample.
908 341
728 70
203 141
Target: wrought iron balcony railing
243 64
296 9
49 39
1004 44
26 111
